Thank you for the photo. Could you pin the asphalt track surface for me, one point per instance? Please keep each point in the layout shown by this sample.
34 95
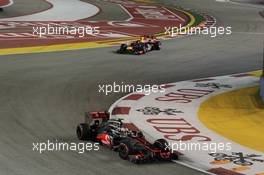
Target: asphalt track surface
43 96
19 8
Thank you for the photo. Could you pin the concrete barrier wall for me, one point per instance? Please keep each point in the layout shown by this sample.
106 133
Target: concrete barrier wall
262 88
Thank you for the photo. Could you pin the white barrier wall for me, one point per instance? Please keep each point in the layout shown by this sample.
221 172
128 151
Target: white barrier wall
262 88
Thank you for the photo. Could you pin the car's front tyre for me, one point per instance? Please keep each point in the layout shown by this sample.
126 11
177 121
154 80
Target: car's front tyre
174 156
123 151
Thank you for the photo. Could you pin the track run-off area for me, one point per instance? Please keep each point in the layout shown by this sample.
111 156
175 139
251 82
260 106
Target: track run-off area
211 121
142 19
45 94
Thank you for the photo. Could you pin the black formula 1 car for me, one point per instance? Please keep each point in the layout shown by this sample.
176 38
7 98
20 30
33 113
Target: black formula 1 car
140 47
130 145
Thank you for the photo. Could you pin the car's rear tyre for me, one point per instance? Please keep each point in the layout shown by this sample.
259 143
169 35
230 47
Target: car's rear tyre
162 145
83 131
123 151
174 156
156 46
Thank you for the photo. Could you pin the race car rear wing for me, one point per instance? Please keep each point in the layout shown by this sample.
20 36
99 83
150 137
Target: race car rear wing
92 116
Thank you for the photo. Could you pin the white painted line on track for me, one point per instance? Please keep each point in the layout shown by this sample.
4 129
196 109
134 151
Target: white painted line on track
222 0
174 14
130 15
246 4
11 2
62 10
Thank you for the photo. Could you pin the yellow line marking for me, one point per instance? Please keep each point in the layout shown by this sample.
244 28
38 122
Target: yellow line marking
220 162
257 73
51 48
76 46
191 22
236 115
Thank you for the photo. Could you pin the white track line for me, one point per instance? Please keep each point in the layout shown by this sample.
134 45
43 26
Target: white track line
130 15
11 2
62 10
247 4
179 17
192 167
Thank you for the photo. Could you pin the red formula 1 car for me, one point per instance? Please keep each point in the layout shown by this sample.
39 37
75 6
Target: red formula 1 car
130 145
